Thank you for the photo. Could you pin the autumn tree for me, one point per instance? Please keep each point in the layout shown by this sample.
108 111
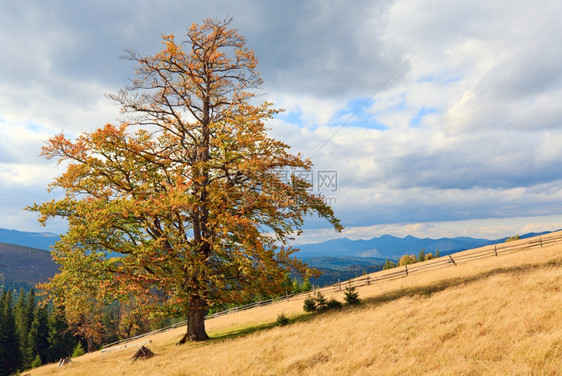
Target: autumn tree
181 205
407 260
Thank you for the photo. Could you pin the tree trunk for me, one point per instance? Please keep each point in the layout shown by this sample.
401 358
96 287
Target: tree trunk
90 344
195 321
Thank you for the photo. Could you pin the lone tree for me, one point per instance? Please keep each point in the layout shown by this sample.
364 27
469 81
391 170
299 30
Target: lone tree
181 206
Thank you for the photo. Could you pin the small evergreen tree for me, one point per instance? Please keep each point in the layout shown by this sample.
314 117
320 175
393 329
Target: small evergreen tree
388 264
282 320
351 296
78 351
309 304
287 284
306 285
36 361
321 302
296 286
421 256
437 254
332 304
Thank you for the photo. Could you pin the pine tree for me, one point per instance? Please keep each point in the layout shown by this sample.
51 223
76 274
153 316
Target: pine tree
78 350
38 336
321 302
61 340
36 362
10 355
306 285
388 264
296 286
309 304
351 296
421 256
24 314
437 254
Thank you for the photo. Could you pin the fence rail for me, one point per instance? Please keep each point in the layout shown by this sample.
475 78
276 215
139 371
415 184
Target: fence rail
385 275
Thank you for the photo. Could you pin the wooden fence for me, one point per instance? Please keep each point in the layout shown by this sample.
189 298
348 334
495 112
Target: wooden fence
386 275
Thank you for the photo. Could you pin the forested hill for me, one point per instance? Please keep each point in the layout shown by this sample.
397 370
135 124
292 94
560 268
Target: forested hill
25 265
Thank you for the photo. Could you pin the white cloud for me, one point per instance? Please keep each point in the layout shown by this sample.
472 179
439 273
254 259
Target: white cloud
469 129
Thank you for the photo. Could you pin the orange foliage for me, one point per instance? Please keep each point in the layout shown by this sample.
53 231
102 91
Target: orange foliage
185 190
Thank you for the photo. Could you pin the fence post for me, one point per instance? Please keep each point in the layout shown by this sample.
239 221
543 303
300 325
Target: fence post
406 267
453 261
313 290
368 281
540 238
339 284
495 250
287 293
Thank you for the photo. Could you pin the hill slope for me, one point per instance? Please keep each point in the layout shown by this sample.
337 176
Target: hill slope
494 316
25 265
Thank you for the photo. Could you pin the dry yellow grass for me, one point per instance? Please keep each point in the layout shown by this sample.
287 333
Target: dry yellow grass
494 316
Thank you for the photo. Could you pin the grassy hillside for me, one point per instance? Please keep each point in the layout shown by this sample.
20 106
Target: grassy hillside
25 265
494 316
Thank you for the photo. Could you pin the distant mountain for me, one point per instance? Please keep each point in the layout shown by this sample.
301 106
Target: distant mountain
39 240
387 246
394 247
25 265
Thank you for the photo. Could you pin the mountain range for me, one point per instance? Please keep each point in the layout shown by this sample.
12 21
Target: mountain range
39 240
23 258
388 246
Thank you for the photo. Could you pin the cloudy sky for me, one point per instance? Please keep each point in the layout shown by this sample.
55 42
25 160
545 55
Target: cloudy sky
439 118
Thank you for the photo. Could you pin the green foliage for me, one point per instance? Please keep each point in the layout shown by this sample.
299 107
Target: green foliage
332 304
38 336
61 339
10 355
437 253
309 304
78 351
24 316
421 255
306 285
321 302
388 264
282 320
36 361
351 296
512 238
31 334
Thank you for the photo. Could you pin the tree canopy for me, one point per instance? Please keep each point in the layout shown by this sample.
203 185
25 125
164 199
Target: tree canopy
181 205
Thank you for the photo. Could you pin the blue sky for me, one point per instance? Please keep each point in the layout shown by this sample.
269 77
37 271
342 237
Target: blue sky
462 140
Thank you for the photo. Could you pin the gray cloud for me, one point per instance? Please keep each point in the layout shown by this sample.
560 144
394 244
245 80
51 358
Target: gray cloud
485 76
